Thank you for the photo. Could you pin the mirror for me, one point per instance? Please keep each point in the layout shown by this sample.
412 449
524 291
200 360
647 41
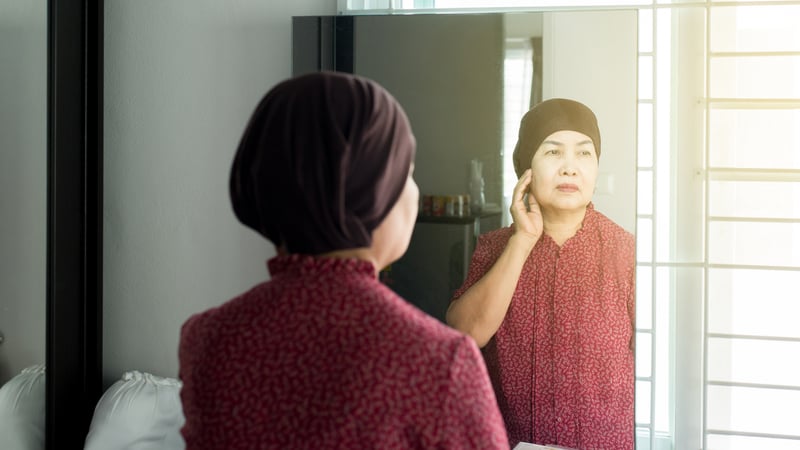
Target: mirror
465 80
23 183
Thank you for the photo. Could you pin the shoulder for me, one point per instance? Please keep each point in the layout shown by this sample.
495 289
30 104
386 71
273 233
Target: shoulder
405 329
414 326
197 325
611 232
493 242
500 236
488 248
616 245
206 325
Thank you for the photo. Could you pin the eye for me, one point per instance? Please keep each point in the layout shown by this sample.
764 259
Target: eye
552 151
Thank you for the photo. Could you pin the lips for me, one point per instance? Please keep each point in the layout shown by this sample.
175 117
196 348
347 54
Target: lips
567 187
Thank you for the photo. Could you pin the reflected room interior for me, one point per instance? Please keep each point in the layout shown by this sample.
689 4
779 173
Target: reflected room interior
465 80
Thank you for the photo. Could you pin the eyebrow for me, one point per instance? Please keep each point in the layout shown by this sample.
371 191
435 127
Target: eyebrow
559 143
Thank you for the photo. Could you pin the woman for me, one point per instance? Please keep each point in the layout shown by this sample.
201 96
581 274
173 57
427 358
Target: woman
551 298
323 355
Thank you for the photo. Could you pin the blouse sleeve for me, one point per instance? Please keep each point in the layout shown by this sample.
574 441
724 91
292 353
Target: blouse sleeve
470 417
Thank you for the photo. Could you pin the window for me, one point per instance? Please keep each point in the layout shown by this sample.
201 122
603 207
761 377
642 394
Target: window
752 217
518 75
718 228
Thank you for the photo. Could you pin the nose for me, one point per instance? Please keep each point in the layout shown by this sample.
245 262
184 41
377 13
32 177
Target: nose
568 169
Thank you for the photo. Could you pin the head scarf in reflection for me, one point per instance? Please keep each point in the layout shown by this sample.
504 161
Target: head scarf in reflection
321 163
546 118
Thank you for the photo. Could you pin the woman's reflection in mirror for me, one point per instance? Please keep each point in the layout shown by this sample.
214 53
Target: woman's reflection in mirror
323 355
550 299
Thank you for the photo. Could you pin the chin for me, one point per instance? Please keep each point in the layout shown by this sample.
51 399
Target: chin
570 205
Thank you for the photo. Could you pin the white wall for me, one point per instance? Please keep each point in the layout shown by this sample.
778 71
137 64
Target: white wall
23 183
181 80
591 56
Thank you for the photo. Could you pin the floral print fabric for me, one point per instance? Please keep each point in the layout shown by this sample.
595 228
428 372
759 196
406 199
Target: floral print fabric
324 356
562 361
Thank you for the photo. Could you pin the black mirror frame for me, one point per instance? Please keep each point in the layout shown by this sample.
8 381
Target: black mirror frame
74 219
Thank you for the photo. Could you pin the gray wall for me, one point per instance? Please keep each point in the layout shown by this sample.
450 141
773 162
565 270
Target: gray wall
447 72
448 75
23 175
181 80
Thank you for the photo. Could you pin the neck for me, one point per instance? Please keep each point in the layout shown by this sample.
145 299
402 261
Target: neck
362 253
562 225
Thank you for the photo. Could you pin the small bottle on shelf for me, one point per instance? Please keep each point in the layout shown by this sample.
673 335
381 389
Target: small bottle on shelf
476 185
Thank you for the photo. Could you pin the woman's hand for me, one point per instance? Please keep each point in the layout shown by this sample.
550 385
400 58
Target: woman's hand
527 218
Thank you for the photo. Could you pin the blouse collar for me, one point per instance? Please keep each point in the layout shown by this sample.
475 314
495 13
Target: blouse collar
306 265
589 220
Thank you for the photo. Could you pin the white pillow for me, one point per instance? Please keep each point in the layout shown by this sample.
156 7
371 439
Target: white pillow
139 412
22 410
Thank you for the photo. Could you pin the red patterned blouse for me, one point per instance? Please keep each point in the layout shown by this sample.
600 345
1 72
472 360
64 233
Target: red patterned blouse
324 356
562 361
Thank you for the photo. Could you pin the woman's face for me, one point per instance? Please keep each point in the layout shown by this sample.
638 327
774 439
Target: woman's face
564 170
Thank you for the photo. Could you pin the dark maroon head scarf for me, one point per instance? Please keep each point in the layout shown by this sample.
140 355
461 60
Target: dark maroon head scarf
546 118
321 163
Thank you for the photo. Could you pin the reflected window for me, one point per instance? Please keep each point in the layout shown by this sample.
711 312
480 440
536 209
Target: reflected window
518 82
